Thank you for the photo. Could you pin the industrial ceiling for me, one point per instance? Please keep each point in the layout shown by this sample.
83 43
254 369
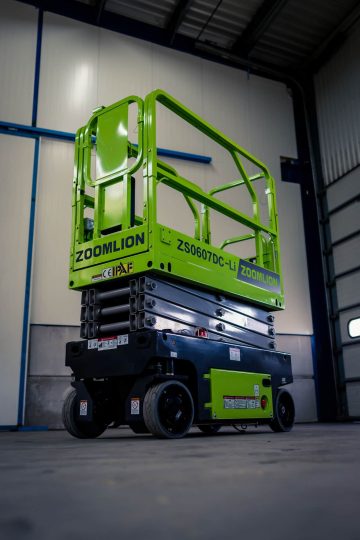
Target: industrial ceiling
285 36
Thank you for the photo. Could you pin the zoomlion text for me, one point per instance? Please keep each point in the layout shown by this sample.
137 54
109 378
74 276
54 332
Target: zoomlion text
110 247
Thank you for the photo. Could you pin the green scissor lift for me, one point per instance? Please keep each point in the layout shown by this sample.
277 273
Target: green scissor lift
176 330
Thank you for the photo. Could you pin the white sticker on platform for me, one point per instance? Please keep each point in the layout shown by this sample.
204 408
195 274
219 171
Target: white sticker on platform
123 340
107 344
234 354
92 344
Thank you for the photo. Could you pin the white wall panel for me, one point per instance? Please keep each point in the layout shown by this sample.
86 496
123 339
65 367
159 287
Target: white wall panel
18 32
52 302
68 81
338 107
304 396
16 157
125 66
180 75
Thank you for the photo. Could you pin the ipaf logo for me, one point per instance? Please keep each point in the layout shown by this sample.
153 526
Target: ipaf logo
122 268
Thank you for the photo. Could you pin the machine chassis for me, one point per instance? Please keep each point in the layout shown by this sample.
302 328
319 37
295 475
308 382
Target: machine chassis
113 376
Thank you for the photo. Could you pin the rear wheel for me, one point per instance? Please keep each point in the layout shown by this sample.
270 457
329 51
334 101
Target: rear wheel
81 430
210 429
168 410
284 412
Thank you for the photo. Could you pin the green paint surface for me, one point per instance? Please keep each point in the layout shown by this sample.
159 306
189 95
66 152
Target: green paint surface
237 395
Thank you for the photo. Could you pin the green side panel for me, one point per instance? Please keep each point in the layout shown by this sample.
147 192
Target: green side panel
112 270
237 395
112 141
112 206
210 266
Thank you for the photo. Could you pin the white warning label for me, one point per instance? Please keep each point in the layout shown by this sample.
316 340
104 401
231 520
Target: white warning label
135 405
241 402
92 344
83 407
234 354
104 344
108 343
123 340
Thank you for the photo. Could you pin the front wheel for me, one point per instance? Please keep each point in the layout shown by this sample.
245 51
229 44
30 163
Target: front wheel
168 410
284 412
81 430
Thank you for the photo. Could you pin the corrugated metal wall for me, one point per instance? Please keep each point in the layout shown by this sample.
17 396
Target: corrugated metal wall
83 66
338 104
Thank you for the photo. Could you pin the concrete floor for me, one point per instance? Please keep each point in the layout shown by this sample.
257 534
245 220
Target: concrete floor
299 485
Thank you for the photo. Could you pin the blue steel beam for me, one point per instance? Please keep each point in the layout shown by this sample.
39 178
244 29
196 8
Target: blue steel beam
36 132
26 314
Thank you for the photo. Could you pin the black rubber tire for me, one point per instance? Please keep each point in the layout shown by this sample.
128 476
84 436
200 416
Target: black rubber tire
139 427
210 429
81 430
168 410
284 412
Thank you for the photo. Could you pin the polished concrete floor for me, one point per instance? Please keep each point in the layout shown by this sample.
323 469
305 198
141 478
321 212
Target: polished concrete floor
299 485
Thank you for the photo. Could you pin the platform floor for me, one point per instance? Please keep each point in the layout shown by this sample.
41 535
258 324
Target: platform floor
301 485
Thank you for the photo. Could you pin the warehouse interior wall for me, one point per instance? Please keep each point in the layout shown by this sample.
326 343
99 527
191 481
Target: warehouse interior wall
82 67
338 110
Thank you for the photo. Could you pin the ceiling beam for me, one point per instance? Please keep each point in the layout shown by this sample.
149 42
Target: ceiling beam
124 25
112 21
100 6
333 41
258 25
177 17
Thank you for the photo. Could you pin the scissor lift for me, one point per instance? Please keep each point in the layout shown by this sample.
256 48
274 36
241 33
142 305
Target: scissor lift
175 330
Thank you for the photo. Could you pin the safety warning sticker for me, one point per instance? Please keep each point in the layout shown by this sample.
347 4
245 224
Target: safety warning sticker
83 407
241 402
107 343
104 344
123 340
135 405
234 353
